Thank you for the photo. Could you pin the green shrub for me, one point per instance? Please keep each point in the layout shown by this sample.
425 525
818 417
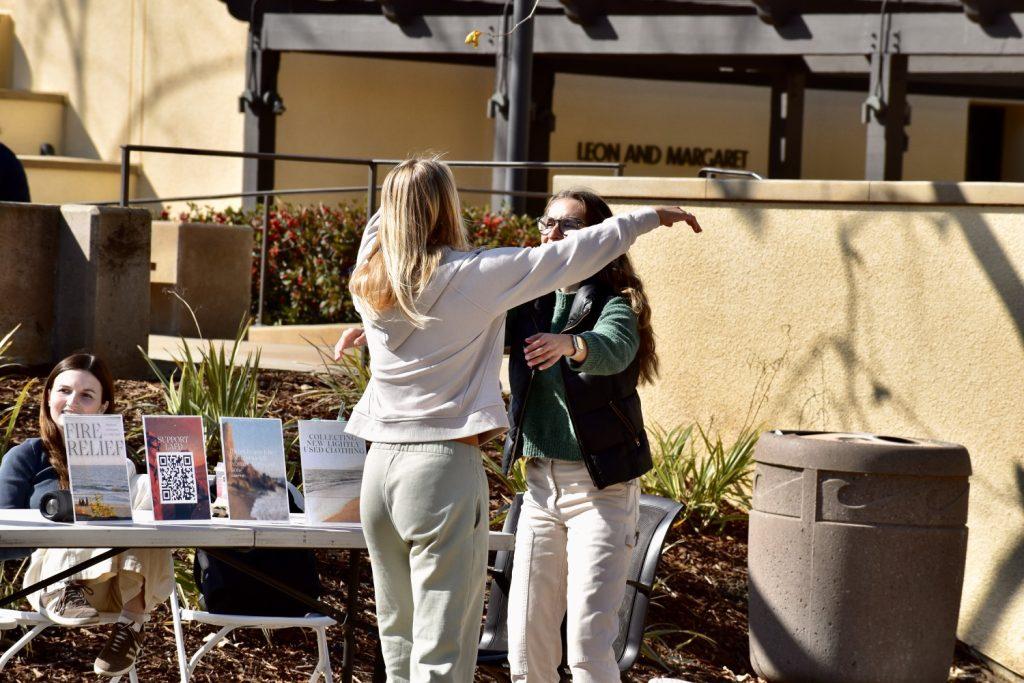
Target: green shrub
710 479
9 415
312 249
217 384
5 344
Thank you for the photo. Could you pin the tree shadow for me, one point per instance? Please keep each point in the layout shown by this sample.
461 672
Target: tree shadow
1000 590
847 345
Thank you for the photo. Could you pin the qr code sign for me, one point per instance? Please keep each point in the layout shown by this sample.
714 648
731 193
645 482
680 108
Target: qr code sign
177 476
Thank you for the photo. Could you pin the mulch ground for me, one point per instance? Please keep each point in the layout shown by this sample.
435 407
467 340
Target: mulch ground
697 624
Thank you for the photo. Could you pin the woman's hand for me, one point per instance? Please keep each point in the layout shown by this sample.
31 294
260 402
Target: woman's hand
544 350
349 339
673 214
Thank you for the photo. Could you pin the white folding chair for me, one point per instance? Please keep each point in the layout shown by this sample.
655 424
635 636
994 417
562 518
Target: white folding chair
36 623
230 622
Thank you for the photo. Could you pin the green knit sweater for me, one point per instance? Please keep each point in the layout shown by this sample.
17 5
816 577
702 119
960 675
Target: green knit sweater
611 346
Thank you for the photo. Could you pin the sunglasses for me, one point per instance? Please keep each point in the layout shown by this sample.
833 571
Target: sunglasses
546 224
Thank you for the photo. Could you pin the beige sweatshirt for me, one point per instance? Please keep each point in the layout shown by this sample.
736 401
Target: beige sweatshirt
441 382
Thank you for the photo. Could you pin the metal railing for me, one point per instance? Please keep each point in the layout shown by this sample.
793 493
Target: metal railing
714 172
372 167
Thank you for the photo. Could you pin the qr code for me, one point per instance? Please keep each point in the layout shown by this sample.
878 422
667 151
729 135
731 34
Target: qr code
177 475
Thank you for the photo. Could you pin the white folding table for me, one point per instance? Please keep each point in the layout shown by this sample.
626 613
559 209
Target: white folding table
29 529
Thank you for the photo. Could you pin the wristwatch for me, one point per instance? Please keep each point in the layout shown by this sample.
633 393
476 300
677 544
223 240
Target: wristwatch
578 344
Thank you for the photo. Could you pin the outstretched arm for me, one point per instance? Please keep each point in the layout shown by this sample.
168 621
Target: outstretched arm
506 277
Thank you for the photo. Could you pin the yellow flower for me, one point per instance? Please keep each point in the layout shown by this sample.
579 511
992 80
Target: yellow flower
473 38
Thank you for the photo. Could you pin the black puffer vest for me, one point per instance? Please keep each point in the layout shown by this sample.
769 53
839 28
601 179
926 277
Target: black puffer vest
605 409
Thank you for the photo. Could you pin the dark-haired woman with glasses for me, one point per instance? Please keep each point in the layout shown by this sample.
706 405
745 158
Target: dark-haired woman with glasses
576 358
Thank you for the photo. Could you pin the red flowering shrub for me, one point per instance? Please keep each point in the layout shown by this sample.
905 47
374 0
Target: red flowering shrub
312 249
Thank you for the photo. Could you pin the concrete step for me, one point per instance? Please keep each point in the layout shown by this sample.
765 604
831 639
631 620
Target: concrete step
326 335
6 48
295 357
71 180
29 119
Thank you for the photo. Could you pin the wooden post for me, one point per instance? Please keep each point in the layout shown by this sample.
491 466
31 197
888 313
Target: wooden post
787 123
261 111
519 89
885 115
542 125
497 109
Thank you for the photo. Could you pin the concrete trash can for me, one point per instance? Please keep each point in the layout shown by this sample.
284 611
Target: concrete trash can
856 557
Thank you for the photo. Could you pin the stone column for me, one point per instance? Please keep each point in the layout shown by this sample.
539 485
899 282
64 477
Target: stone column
28 261
101 300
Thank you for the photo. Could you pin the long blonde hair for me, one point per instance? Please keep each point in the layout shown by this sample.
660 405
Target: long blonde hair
420 217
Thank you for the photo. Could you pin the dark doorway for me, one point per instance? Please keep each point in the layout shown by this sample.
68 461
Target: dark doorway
985 125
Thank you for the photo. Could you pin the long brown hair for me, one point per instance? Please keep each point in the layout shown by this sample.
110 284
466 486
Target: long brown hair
49 432
621 277
420 217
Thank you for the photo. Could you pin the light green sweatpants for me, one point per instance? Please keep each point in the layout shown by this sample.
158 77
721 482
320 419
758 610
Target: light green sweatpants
424 513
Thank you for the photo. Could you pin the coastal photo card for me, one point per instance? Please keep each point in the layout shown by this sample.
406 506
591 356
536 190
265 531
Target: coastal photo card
98 468
176 462
254 461
332 471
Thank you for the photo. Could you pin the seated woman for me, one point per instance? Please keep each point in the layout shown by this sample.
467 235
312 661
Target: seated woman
132 583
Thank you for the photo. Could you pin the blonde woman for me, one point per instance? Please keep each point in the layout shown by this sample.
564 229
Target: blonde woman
434 314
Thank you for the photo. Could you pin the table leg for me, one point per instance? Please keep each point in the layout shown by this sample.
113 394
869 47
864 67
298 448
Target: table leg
29 590
355 562
380 673
179 632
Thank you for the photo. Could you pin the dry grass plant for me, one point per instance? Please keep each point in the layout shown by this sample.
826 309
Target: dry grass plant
217 383
9 415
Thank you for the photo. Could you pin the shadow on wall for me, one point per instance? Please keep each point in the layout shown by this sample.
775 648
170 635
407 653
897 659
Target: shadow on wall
1003 587
77 141
1008 580
171 87
817 410
998 268
21 70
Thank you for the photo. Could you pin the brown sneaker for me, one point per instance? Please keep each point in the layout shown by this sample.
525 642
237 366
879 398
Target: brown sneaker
120 652
68 606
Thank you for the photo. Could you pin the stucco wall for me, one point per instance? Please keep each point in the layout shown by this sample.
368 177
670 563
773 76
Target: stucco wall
170 73
374 108
137 71
140 71
892 308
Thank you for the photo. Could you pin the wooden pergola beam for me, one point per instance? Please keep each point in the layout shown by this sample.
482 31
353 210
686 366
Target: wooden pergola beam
785 130
398 11
937 34
775 12
583 11
886 116
922 64
983 12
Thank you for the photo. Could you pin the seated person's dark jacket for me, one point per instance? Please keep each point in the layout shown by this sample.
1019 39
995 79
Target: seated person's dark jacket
604 409
25 475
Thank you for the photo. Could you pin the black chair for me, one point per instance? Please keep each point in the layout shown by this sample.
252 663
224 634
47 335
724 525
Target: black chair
656 517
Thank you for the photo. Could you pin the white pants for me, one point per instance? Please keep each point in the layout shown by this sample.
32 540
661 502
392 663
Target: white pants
424 513
574 544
